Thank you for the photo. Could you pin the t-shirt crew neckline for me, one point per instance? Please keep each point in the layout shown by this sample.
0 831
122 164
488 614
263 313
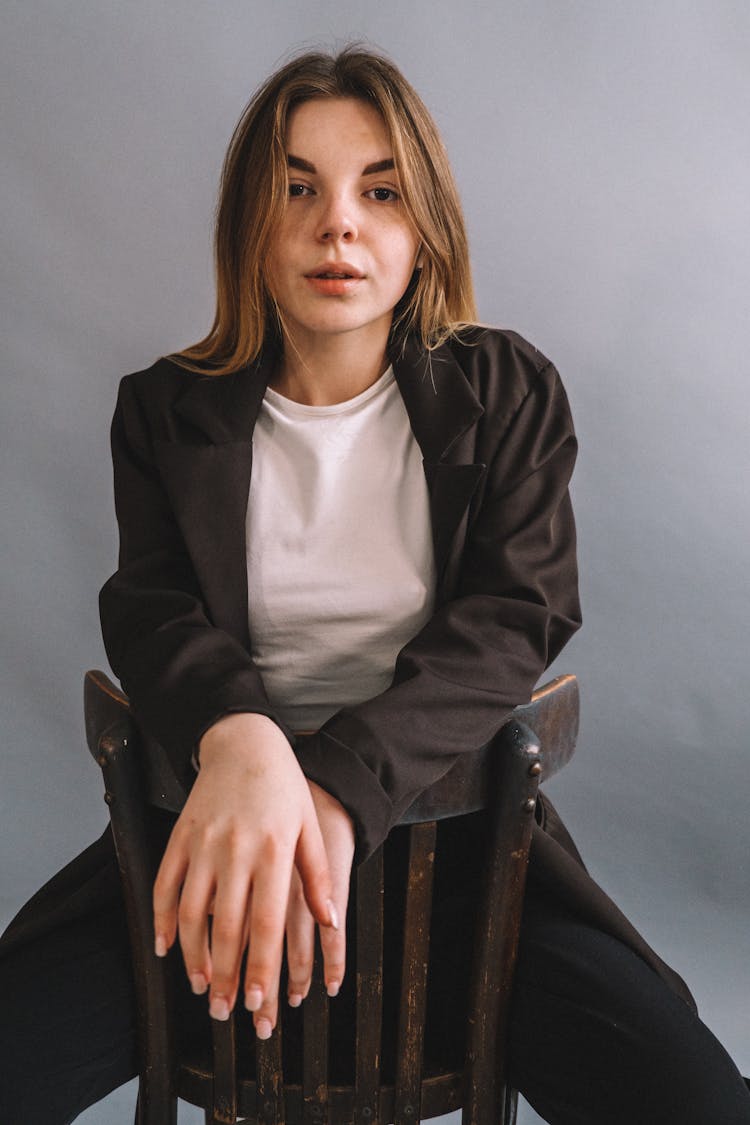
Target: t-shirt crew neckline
289 406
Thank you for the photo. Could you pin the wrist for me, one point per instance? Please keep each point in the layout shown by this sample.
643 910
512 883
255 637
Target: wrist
242 734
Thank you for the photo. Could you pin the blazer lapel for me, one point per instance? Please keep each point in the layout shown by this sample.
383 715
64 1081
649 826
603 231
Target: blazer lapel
443 411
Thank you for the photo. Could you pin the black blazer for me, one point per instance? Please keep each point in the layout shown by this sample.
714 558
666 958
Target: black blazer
492 420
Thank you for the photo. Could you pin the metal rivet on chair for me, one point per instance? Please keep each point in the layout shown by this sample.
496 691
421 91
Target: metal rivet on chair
535 769
529 805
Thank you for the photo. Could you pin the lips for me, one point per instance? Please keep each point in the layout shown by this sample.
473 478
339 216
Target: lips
336 271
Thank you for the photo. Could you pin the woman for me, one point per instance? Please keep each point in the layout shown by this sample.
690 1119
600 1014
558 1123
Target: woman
347 552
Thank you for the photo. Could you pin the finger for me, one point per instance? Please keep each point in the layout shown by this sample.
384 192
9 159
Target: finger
192 923
270 895
228 938
311 861
300 943
166 894
333 948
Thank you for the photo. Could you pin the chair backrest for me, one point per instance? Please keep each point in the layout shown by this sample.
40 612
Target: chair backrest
502 778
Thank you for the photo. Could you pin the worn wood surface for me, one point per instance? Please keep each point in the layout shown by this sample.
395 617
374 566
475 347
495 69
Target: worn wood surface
114 742
369 970
315 1047
224 1039
269 1102
516 778
417 917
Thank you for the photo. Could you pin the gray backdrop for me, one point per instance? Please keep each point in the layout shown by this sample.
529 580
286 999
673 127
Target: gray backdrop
602 152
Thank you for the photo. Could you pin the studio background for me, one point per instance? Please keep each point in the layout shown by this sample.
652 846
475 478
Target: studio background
602 152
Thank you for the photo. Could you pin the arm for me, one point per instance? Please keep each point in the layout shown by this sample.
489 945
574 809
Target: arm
250 819
180 672
514 607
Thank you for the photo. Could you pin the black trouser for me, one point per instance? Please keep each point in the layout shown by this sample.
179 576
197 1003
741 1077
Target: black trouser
596 1037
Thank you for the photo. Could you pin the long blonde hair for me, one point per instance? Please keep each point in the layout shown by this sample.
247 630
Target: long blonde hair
253 195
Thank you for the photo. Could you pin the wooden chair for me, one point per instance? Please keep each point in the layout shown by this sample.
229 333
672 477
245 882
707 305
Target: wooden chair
503 778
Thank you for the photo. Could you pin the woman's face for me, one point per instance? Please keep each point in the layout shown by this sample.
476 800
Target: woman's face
344 251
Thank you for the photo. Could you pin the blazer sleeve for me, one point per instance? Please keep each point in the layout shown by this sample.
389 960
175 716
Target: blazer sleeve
483 651
180 671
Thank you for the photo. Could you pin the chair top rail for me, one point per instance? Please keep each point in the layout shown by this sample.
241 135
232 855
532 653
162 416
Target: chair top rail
551 713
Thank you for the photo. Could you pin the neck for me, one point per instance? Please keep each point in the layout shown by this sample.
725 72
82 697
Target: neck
325 370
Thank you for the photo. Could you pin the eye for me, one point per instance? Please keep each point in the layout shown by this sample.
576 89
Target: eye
383 194
296 191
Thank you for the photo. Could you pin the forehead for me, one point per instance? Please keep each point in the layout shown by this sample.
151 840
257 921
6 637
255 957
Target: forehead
343 125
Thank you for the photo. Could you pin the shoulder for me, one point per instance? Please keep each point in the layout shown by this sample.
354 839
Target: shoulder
504 370
146 399
157 385
485 353
501 345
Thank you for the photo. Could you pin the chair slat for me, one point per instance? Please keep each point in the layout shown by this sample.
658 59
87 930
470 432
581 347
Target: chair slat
270 1079
224 1038
407 1108
315 1047
369 989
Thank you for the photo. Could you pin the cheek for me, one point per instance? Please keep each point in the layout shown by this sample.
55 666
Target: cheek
399 243
405 254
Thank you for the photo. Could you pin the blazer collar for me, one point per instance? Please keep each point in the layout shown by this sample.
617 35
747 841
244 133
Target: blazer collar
439 401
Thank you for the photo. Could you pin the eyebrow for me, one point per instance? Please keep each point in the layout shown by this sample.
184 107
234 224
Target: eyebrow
305 166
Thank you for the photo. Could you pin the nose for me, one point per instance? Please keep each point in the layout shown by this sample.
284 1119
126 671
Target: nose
336 221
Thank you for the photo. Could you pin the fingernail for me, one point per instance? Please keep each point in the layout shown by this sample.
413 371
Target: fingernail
160 945
219 1008
294 999
253 999
333 915
198 983
332 988
263 1029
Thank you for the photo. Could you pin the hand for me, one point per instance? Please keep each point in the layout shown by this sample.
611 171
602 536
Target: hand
248 821
338 835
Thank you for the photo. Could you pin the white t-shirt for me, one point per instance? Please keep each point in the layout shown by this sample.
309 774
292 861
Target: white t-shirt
340 564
